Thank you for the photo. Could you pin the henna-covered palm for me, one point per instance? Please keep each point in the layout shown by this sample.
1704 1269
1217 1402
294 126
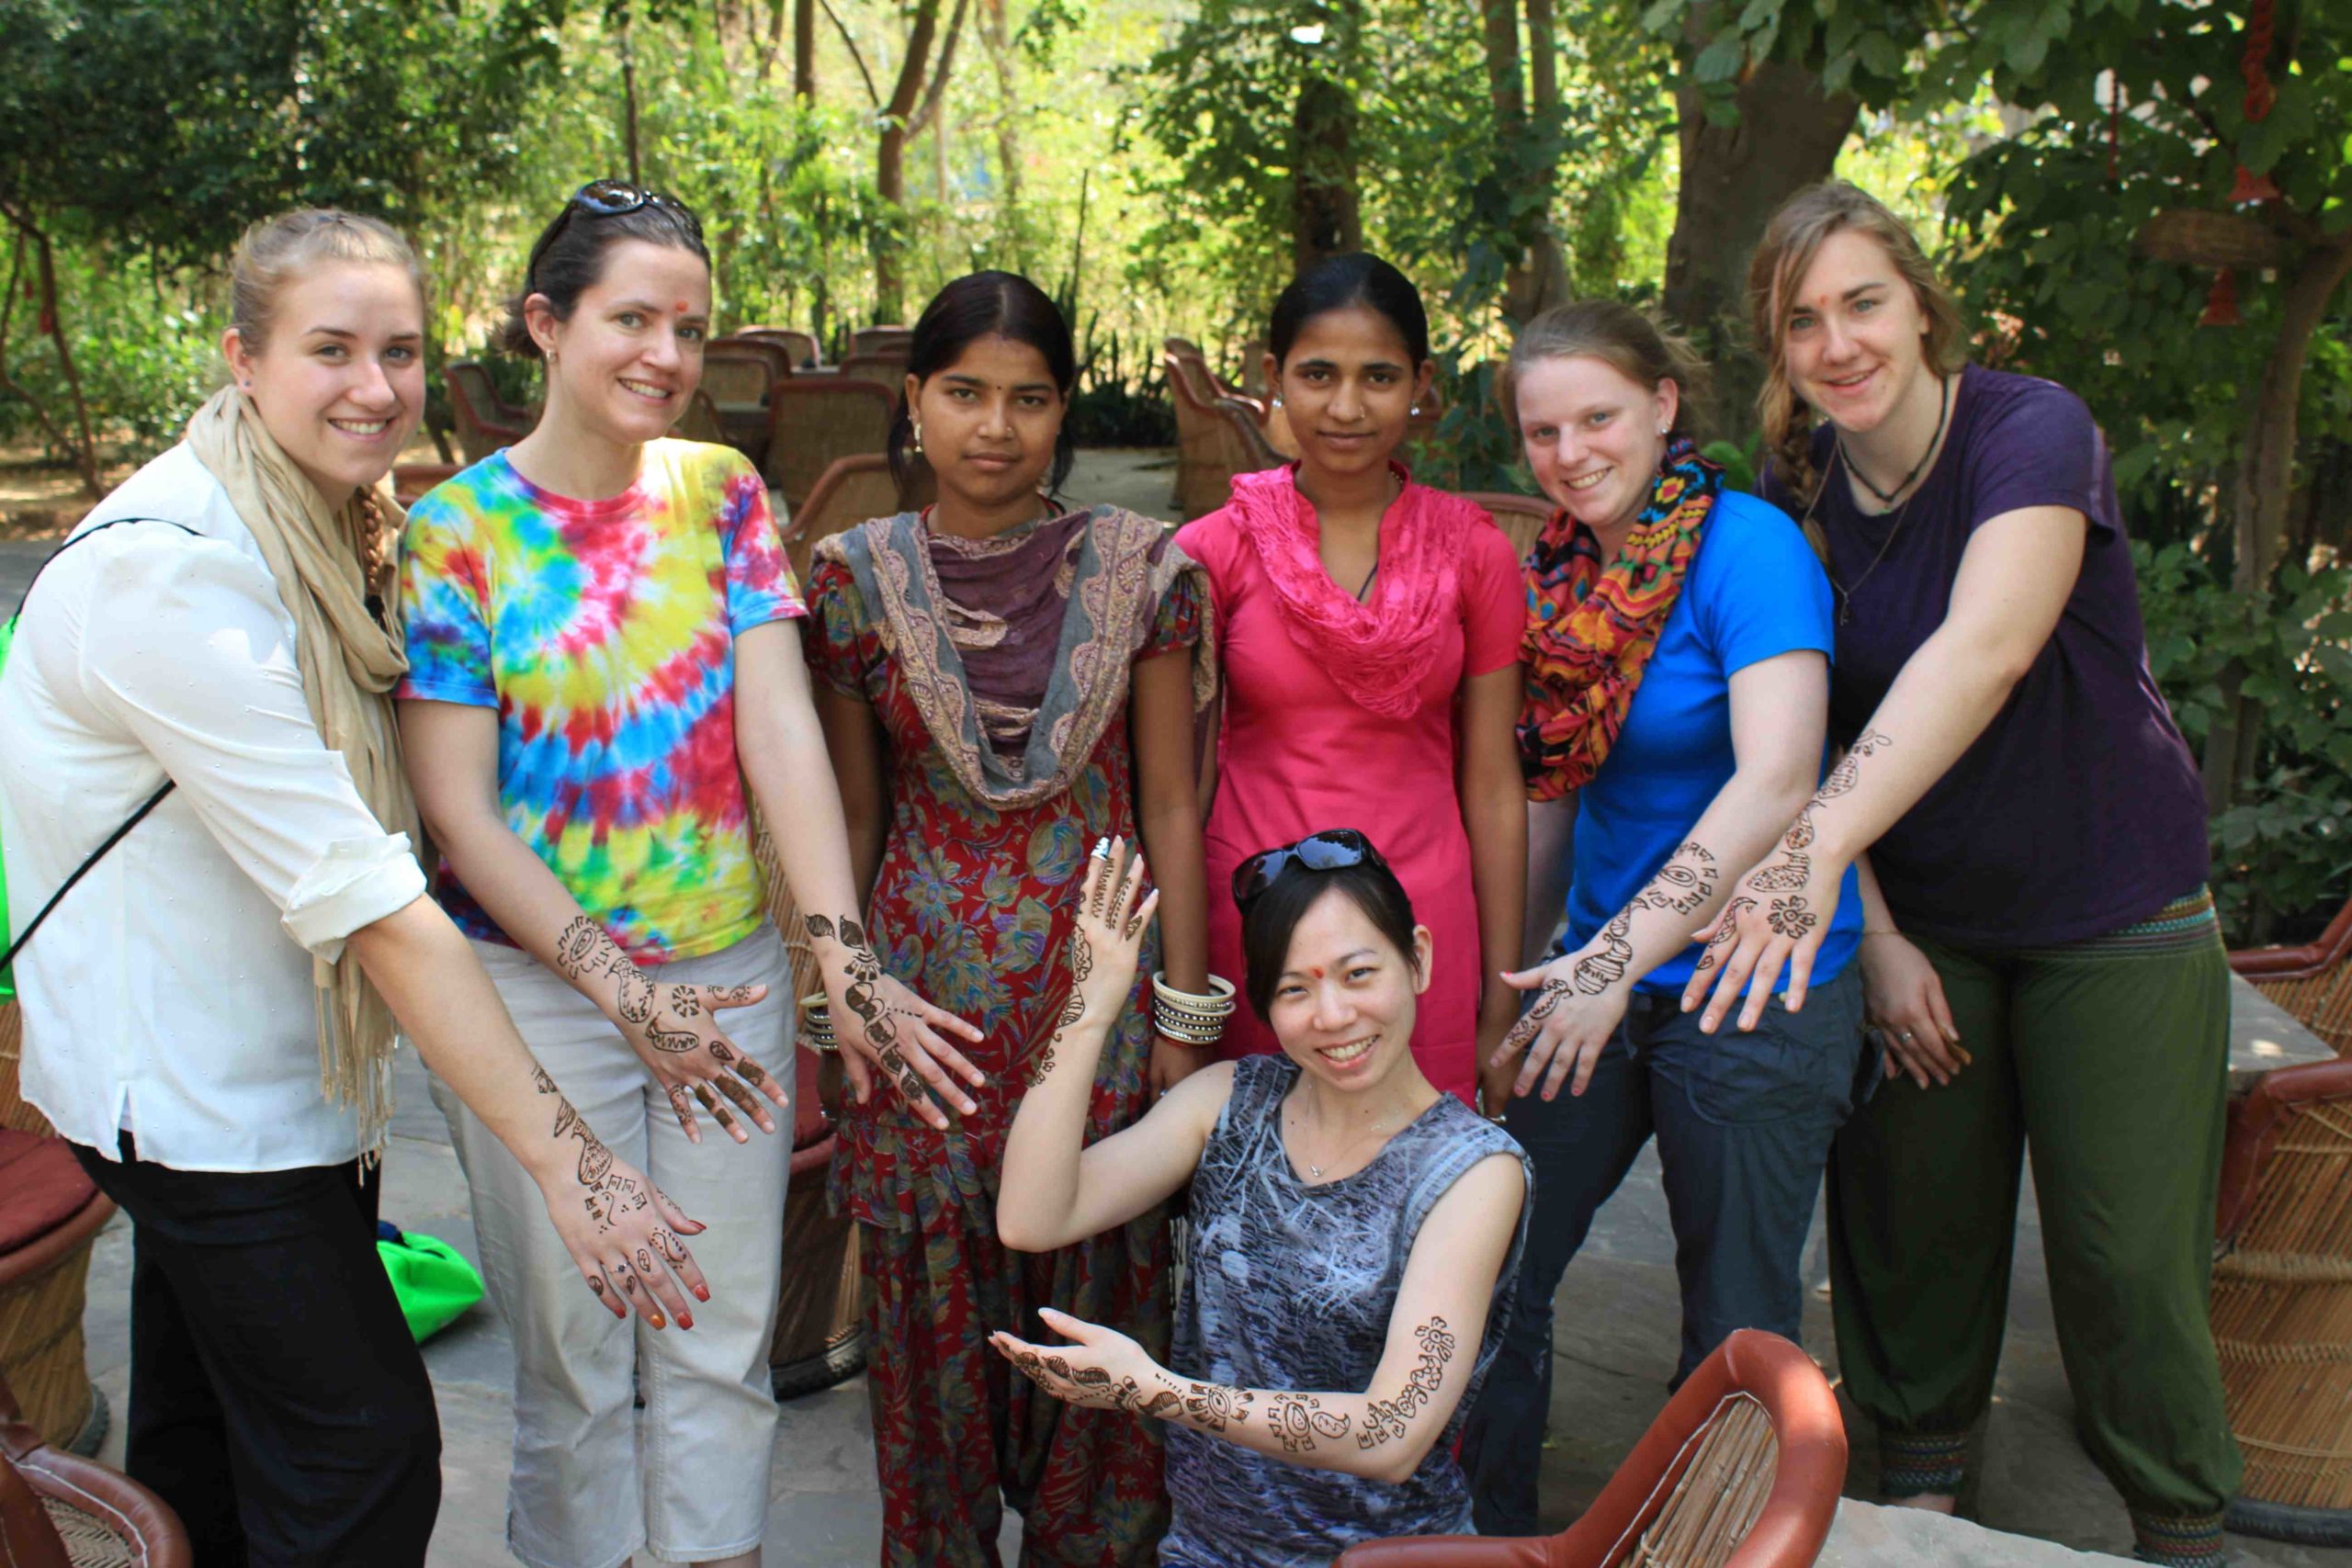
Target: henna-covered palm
1101 1369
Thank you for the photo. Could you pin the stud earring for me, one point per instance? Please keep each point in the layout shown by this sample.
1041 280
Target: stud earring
1278 399
1664 428
1413 412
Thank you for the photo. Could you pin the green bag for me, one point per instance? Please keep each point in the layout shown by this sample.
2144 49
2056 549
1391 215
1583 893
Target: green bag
432 1280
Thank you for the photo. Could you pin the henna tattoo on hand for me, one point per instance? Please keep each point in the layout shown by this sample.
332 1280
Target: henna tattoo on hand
669 1246
636 1003
1386 1418
1297 1419
749 1072
645 1261
597 1286
863 997
673 1041
683 1002
677 1092
710 1104
731 996
1081 956
1790 919
721 1052
1726 933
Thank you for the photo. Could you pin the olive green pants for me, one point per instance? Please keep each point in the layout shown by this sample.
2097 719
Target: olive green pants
2108 1062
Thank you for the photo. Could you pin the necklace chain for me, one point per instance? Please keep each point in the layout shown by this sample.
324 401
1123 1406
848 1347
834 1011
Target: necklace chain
1886 497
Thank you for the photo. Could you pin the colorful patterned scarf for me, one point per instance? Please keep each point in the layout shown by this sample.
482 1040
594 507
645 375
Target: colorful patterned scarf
1590 629
1375 652
978 626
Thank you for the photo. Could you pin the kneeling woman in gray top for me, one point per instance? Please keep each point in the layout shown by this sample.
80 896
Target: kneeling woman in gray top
1355 1233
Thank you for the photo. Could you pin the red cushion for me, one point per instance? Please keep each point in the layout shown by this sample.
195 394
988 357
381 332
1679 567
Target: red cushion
42 1187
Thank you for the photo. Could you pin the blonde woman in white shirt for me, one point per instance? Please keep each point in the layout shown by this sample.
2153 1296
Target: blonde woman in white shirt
209 1012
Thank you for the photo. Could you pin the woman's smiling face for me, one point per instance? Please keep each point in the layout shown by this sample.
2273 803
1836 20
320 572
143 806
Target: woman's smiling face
1345 1004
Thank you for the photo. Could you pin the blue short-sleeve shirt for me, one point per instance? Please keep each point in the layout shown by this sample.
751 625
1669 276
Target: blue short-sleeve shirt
1755 590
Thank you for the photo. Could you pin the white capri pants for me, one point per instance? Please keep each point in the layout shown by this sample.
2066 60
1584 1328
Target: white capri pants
592 1484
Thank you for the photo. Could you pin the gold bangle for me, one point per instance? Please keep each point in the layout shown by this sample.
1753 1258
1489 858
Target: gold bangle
817 1023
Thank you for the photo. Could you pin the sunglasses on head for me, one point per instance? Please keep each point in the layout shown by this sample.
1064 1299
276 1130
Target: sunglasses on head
609 199
1334 849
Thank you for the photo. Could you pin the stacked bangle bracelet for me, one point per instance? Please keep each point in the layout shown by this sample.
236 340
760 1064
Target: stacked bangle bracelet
817 1023
1189 1018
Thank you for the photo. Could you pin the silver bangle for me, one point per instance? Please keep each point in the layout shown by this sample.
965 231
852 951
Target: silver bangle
817 1023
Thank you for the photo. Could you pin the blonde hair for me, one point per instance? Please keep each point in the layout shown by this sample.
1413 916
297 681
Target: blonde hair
1619 336
1792 240
276 250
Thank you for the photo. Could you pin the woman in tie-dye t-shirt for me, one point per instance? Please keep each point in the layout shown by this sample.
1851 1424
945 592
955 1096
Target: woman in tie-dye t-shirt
602 652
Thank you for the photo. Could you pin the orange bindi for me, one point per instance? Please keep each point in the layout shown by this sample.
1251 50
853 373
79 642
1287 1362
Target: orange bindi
1314 972
682 306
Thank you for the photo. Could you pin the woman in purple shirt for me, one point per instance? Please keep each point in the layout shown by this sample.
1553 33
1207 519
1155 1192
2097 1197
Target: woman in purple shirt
2035 888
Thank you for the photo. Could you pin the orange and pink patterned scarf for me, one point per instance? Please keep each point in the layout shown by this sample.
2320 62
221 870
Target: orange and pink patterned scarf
1591 628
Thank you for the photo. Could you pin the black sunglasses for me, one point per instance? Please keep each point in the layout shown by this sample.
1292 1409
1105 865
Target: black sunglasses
607 198
1334 849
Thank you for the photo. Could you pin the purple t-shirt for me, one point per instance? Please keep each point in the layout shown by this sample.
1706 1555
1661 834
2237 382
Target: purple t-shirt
2079 810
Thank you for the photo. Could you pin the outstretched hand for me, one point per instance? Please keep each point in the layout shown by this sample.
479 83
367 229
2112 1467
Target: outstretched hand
1583 999
1101 1368
1106 932
882 1024
1778 915
674 1032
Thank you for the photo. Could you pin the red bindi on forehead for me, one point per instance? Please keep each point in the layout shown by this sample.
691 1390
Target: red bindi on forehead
682 306
1315 970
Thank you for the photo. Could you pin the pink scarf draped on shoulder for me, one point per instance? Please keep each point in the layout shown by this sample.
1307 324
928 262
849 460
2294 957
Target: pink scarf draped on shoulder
1375 652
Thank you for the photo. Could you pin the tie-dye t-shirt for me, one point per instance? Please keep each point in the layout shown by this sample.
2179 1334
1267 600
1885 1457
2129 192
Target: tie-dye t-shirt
602 632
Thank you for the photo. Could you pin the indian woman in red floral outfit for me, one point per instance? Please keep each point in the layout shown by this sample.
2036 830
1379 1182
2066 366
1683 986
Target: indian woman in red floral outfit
1003 682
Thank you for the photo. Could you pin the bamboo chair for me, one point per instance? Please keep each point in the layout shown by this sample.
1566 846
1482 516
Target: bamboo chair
815 420
2282 1301
800 347
701 421
742 381
413 481
1217 437
778 357
875 340
42 1282
2312 982
1741 1470
61 1511
1521 517
851 491
484 423
884 368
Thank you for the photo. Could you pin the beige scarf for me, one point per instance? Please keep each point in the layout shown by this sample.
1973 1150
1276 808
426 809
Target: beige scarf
325 564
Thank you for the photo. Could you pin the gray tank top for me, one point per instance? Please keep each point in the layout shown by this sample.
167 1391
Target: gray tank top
1291 1287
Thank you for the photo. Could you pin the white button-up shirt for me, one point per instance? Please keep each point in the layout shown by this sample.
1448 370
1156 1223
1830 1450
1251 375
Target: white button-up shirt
170 992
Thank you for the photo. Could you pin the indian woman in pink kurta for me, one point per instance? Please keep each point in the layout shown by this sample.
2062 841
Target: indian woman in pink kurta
1340 714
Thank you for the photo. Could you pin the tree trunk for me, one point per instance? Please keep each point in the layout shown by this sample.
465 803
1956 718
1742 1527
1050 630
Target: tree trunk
1734 177
83 451
996 35
804 50
628 101
890 167
1326 218
1538 278
2259 494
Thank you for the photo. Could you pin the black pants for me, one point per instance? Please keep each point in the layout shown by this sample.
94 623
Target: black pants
278 1403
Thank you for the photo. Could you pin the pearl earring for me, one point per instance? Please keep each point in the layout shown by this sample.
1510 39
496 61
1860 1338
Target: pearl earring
914 437
1413 412
1278 399
1664 428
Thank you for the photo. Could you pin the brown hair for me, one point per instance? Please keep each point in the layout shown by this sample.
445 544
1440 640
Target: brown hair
1619 336
1791 241
275 250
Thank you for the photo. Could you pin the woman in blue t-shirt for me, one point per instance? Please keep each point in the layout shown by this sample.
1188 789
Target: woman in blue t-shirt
1678 647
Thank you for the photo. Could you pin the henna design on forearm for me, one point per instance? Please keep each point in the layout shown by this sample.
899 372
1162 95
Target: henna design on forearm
1072 1007
1387 1419
1297 1419
1214 1406
1794 868
1682 885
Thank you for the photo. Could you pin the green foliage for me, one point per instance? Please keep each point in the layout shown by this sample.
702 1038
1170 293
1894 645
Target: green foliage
2282 852
146 348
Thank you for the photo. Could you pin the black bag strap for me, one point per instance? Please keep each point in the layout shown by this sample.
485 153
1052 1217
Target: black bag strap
137 815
